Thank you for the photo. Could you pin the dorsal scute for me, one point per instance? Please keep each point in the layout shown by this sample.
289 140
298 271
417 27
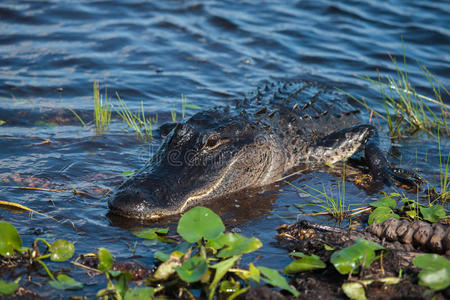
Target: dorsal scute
307 98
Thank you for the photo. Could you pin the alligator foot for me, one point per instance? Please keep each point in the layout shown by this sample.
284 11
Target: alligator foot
342 144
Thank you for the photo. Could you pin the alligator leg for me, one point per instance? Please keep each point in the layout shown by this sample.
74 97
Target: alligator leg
342 144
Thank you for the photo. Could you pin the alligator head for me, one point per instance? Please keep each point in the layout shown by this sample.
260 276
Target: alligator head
215 153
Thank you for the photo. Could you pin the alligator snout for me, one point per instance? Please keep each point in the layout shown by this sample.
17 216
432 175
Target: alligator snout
132 203
143 199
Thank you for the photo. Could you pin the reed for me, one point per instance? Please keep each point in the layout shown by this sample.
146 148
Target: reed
184 106
102 110
333 204
141 125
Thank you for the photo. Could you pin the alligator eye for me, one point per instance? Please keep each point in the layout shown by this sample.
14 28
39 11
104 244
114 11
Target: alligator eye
212 142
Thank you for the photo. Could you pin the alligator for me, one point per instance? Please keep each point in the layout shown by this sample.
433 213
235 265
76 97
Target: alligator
276 130
402 235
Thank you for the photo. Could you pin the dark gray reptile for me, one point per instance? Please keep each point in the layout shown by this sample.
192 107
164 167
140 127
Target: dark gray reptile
278 129
404 235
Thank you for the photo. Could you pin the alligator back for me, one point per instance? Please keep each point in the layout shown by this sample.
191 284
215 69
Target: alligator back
303 110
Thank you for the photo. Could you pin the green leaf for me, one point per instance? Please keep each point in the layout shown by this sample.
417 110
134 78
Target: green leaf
436 271
349 259
122 282
229 286
2 122
192 106
7 288
161 256
221 269
128 173
167 268
436 279
143 293
114 273
192 269
274 278
384 202
389 280
9 239
61 250
381 214
434 213
328 247
251 274
236 244
412 214
64 282
106 261
152 233
305 263
200 222
354 290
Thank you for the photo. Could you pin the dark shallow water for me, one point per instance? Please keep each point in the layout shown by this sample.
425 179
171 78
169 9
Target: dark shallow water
212 52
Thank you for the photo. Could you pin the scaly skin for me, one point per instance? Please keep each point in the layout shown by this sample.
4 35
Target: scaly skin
277 129
402 234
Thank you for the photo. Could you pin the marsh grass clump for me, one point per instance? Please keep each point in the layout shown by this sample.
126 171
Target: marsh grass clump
333 203
137 121
407 111
102 110
443 174
141 125
444 183
184 106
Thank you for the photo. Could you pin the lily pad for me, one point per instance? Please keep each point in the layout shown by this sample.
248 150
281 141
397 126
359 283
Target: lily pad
434 213
436 271
235 244
381 214
143 293
384 202
200 222
152 233
192 269
161 256
64 282
167 268
9 239
61 250
106 261
274 278
305 263
7 288
354 290
349 259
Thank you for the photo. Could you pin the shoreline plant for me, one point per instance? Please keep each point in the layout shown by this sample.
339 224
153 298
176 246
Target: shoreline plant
405 110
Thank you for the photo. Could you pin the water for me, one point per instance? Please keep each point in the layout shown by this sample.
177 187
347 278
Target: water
212 52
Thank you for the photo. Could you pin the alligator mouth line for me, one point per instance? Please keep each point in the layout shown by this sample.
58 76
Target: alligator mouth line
209 191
